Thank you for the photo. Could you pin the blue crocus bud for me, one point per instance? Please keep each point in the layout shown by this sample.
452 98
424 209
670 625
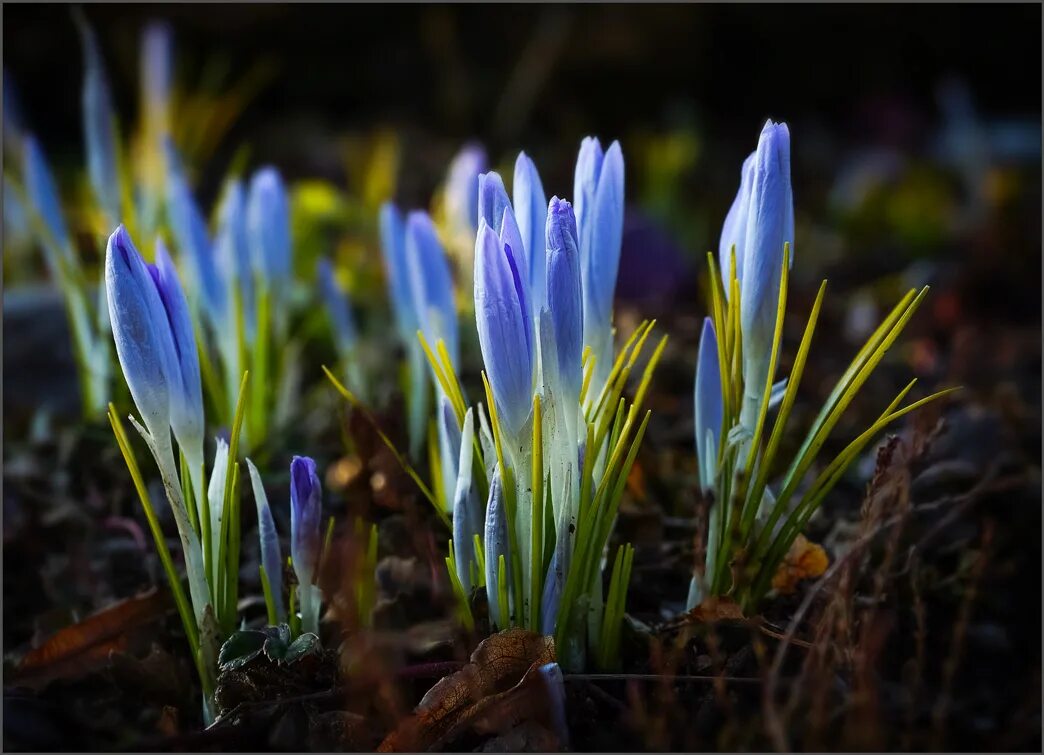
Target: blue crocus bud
449 448
268 539
393 250
462 186
193 240
233 253
504 327
141 330
268 227
530 205
186 392
495 545
99 131
770 225
431 283
157 58
599 197
467 508
709 409
42 193
734 230
496 210
306 508
554 684
338 306
564 300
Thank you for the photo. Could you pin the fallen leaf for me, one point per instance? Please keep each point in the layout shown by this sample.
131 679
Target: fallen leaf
85 646
473 694
804 560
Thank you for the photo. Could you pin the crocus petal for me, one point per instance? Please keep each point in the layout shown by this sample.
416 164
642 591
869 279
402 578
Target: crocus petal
708 399
186 392
530 205
42 193
492 199
98 125
554 683
305 517
734 230
467 510
770 224
585 179
268 227
268 539
495 545
504 328
606 229
140 329
338 306
564 299
431 283
462 182
393 250
449 447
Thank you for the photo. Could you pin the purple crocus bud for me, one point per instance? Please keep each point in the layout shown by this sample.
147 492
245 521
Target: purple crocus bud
530 205
504 327
708 402
467 508
554 683
770 225
449 448
495 545
564 299
431 283
393 250
42 193
98 126
496 210
268 539
268 227
186 392
141 330
462 182
306 509
232 249
734 230
599 198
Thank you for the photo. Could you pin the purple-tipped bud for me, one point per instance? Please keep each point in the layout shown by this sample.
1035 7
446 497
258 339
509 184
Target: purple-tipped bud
496 210
268 539
141 330
530 205
495 545
564 299
504 328
306 510
431 283
708 402
268 227
462 187
467 508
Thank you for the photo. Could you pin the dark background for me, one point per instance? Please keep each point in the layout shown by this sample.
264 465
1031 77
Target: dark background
452 71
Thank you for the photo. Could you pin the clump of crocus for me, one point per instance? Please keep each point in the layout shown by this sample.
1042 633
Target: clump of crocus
156 346
751 529
552 461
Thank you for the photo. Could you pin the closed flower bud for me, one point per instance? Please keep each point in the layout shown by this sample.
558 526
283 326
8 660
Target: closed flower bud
393 250
431 283
467 508
98 126
268 227
268 539
462 182
306 509
338 306
708 402
495 545
564 300
42 193
530 206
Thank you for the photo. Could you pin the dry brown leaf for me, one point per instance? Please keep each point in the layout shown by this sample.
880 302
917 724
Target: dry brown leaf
83 647
499 663
804 560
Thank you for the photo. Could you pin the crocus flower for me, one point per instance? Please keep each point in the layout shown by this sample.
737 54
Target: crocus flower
467 508
305 515
770 224
338 306
496 210
232 249
708 403
530 206
504 327
268 227
431 283
99 131
734 230
193 240
268 539
598 194
141 330
564 296
494 546
42 193
462 181
393 251
186 394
